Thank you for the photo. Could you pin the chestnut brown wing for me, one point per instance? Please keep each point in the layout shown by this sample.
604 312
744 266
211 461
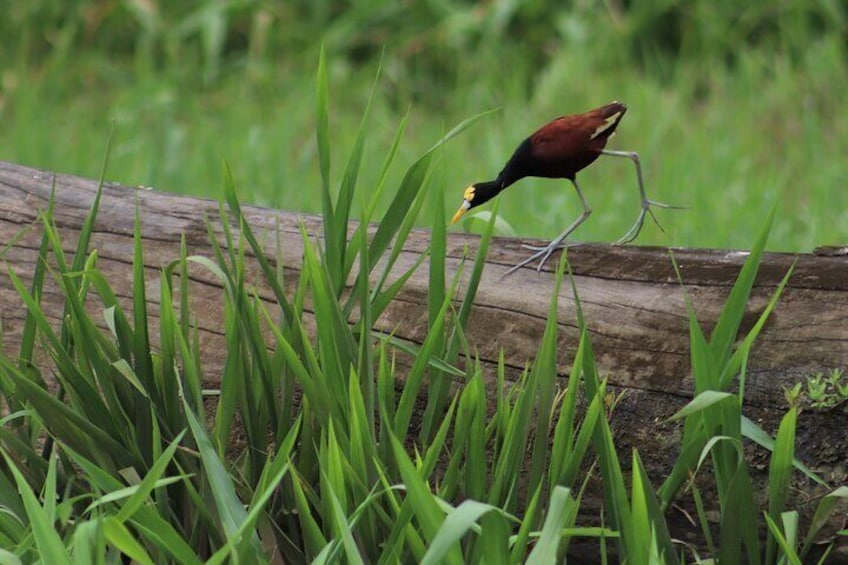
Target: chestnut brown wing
570 143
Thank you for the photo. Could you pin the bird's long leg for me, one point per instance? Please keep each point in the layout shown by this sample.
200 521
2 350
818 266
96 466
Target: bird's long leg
545 252
634 230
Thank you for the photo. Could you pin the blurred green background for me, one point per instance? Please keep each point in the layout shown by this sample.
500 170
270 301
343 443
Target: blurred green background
732 105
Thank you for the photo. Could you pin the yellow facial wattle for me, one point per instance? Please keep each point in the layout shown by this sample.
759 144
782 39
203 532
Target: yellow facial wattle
467 196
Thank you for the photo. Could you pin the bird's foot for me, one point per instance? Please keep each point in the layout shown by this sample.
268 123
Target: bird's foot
542 254
634 230
545 248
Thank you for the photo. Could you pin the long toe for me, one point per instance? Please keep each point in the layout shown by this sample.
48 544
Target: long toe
533 247
524 262
658 204
558 246
551 248
634 230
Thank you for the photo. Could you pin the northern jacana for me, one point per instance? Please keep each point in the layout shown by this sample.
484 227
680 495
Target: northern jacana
560 149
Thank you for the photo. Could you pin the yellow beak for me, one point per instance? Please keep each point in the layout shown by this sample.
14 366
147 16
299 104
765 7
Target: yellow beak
462 210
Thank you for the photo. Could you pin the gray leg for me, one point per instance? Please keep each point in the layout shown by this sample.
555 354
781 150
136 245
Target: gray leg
634 230
545 252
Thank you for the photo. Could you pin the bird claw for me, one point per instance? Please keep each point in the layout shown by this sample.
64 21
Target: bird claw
545 248
649 203
634 230
543 252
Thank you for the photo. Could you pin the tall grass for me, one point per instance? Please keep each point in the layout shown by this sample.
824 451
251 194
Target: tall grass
135 465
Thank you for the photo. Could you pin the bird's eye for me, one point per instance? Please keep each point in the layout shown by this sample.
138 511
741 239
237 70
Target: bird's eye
469 193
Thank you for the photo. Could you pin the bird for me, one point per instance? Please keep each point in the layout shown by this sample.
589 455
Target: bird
560 149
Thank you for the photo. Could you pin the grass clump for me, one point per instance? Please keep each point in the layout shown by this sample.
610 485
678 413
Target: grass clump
125 460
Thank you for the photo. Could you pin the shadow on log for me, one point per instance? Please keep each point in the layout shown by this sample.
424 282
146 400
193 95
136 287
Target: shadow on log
632 301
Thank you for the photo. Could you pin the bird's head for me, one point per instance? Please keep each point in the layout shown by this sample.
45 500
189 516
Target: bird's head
476 194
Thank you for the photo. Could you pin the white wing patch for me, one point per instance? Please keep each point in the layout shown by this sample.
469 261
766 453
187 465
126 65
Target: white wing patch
608 123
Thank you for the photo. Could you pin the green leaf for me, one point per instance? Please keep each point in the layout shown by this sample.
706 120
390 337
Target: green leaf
146 486
345 198
408 190
545 372
789 554
701 402
119 536
416 375
780 473
141 343
351 552
822 515
559 509
229 508
727 326
429 515
314 540
755 433
47 540
651 513
457 523
494 539
519 546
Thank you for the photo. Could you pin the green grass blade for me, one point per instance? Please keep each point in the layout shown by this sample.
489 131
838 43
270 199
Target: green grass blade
561 506
519 547
68 424
701 402
345 198
438 382
268 271
407 192
780 474
822 515
651 513
427 511
727 326
574 460
313 538
416 375
229 508
365 361
88 542
789 555
563 442
738 525
88 224
120 537
332 231
141 349
740 356
545 369
493 545
703 521
146 520
36 287
47 540
456 525
146 486
343 528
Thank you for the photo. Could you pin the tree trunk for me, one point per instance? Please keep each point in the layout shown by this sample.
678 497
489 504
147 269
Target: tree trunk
632 301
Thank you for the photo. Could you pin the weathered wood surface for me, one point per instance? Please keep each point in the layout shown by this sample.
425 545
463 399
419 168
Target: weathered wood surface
632 302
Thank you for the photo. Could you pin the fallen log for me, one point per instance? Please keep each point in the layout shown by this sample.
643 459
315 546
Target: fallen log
632 301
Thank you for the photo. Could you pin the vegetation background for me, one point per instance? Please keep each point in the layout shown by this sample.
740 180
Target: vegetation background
731 106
